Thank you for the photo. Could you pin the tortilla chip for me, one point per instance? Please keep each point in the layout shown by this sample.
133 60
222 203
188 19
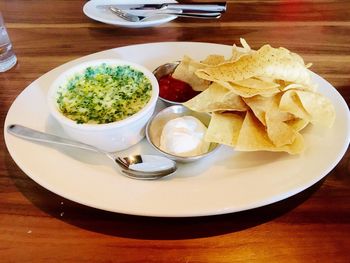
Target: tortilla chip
290 102
238 52
253 137
279 132
260 106
246 92
284 86
230 123
216 98
266 110
297 124
213 60
254 83
275 63
185 71
310 106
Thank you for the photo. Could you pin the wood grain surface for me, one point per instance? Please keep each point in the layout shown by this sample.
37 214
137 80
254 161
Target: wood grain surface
39 226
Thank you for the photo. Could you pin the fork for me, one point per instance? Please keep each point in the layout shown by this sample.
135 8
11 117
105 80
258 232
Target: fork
138 18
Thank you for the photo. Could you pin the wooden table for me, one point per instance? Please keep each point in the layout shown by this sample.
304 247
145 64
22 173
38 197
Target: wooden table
39 226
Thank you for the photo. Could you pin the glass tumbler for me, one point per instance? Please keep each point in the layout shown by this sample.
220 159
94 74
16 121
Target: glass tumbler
7 57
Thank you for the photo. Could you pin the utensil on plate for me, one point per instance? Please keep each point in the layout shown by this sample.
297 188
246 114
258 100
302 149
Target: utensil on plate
139 18
142 167
205 6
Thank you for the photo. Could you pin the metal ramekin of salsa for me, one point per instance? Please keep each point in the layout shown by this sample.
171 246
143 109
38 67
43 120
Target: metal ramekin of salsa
171 90
175 90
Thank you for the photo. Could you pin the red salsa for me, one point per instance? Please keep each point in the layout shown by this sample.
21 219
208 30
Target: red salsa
175 90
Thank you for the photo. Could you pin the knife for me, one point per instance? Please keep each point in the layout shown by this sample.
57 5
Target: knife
207 6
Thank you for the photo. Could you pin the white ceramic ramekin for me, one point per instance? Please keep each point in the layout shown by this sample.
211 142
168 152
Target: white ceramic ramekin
115 136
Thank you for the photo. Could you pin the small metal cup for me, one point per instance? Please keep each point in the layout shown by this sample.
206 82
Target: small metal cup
156 124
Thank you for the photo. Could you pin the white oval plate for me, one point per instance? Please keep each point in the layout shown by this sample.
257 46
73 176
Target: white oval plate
91 10
225 182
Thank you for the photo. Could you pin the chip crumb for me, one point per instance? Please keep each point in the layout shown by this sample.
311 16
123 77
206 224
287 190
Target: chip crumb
29 232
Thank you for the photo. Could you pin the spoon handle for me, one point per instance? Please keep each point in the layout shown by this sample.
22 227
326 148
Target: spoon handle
34 135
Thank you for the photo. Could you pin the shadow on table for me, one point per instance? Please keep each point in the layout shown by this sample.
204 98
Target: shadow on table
140 227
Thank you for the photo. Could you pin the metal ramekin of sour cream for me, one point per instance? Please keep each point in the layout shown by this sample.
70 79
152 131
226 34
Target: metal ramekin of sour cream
181 148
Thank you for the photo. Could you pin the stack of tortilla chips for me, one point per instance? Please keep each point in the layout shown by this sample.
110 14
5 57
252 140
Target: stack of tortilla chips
259 100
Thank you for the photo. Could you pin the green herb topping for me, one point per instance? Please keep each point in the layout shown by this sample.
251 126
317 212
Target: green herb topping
104 94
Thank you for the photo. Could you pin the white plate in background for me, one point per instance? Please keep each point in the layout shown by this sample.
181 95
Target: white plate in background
91 10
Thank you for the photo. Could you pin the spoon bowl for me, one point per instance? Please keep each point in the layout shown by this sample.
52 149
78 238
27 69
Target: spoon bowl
141 167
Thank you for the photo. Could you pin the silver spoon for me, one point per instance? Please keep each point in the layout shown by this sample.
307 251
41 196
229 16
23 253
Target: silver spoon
138 18
144 167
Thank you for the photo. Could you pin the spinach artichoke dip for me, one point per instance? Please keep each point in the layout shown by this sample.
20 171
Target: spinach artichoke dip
104 94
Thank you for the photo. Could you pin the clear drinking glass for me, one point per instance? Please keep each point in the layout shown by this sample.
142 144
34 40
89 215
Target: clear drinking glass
7 57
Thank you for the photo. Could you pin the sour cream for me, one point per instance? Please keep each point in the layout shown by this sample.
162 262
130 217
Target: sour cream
184 136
